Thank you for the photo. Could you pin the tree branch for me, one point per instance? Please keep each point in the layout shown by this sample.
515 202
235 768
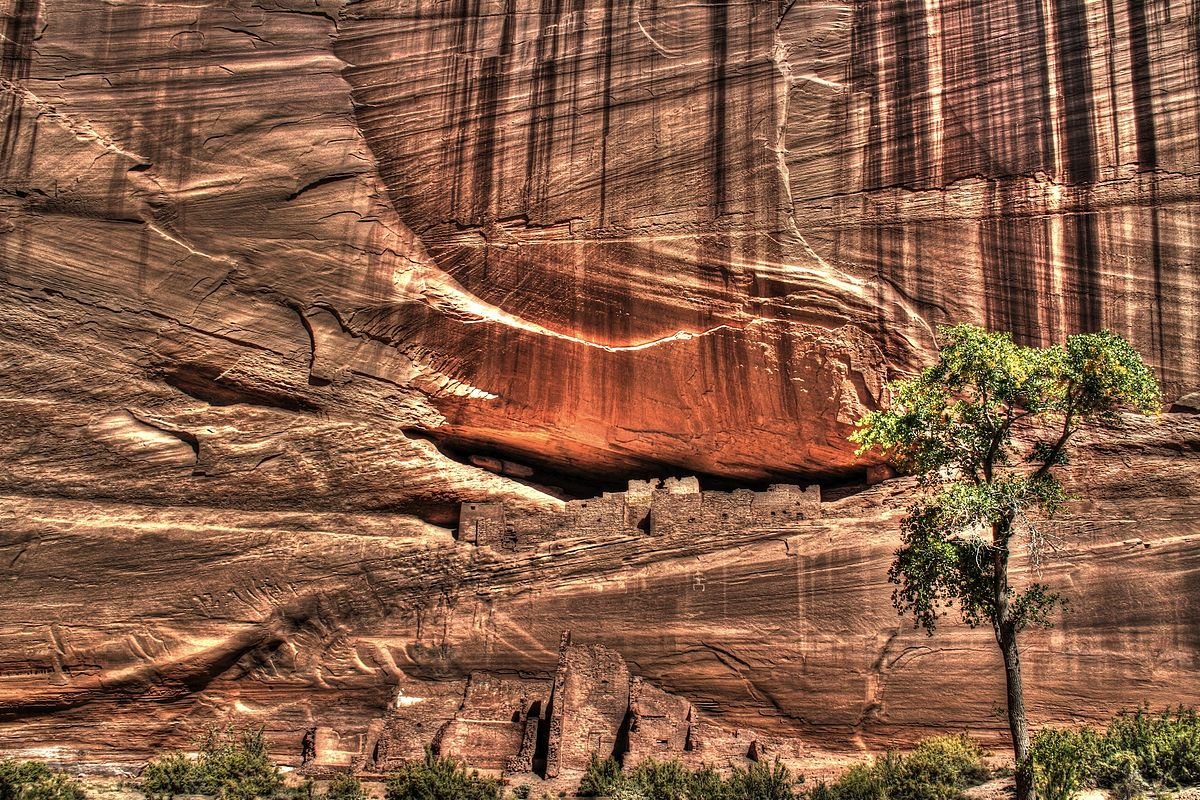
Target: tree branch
1057 449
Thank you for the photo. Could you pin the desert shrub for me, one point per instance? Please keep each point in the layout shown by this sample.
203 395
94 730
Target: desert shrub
345 787
168 775
1165 748
602 777
939 768
440 778
1137 752
626 791
660 780
1122 777
31 780
233 764
706 784
305 790
670 780
1064 762
860 782
761 782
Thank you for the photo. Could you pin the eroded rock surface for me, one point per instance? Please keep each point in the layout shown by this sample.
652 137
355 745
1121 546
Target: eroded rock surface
283 282
127 627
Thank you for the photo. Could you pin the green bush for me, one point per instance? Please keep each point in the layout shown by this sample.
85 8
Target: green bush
939 768
31 780
169 775
861 782
660 780
345 787
233 764
1138 752
1064 762
761 782
440 778
602 777
670 780
1165 747
1122 777
707 784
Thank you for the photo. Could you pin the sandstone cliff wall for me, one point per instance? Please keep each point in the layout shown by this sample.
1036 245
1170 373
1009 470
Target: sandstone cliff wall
127 627
599 238
272 271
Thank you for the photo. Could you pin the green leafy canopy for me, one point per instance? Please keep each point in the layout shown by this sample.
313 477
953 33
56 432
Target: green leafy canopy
983 429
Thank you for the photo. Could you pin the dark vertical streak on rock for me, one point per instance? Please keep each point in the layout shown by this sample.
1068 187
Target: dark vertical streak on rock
540 143
967 93
491 93
1110 17
1038 140
910 126
1009 269
606 106
1084 246
1156 259
1073 53
720 30
864 80
19 32
1143 106
1040 232
979 88
576 68
1193 23
461 16
717 245
1147 151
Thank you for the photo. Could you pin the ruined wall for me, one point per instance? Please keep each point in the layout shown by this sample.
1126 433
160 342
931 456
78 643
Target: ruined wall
660 726
489 728
665 508
591 698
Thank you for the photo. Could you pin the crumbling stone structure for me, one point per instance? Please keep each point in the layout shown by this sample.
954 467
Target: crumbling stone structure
660 725
671 507
493 719
551 727
589 705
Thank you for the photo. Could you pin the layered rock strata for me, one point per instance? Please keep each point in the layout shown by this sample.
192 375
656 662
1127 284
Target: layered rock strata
284 282
127 628
595 239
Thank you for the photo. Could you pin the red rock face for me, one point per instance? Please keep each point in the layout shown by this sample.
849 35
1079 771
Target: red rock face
149 622
273 271
600 239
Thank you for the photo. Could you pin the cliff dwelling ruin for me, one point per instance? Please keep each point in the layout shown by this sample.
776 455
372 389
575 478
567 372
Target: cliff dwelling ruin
668 507
546 726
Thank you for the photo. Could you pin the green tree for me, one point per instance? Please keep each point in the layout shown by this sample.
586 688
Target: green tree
984 429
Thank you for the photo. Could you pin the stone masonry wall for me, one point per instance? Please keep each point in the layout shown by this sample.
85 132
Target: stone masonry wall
672 507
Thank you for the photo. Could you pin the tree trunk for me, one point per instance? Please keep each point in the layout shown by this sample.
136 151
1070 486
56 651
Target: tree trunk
1018 726
1006 637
